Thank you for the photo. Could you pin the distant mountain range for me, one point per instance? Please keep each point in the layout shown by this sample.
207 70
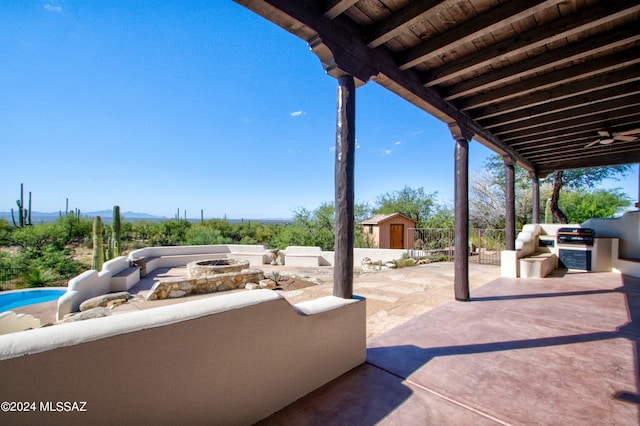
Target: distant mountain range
40 217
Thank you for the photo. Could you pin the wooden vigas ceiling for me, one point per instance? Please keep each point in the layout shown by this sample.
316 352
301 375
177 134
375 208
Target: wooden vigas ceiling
554 84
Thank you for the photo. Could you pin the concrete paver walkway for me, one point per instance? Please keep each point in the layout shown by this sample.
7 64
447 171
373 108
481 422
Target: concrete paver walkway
561 350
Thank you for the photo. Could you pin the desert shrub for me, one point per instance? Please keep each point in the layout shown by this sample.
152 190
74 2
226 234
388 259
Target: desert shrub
203 235
38 277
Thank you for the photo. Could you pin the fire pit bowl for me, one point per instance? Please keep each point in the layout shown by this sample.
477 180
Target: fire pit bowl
205 268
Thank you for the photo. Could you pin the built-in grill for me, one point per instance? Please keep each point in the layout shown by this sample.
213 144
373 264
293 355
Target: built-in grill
577 236
575 248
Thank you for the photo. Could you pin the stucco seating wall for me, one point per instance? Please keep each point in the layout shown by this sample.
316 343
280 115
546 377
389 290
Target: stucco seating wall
302 256
230 359
171 256
528 260
628 266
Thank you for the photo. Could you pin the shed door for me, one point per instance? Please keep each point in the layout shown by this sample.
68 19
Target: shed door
397 236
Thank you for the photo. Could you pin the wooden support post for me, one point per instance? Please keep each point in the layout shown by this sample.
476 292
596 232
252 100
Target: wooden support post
461 195
535 197
638 203
510 195
344 188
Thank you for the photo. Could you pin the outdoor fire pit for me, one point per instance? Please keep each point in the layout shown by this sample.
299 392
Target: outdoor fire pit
207 276
205 268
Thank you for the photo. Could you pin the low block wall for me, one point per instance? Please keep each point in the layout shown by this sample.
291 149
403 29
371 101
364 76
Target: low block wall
232 359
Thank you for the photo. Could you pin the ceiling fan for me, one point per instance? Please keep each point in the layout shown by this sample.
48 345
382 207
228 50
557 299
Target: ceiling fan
606 137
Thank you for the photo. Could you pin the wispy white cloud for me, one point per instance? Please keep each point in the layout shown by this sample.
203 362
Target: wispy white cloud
52 8
397 143
297 113
387 152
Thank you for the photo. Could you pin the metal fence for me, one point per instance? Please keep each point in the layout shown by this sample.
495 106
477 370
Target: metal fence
14 278
438 244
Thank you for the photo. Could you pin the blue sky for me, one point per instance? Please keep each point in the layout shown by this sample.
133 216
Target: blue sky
194 105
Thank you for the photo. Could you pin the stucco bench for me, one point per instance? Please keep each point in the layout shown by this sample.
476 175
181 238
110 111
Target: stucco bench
538 265
302 256
125 279
171 260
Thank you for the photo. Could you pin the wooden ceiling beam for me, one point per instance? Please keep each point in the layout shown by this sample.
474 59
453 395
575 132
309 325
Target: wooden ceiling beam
381 32
599 161
595 122
593 151
569 105
336 8
468 31
578 149
568 119
561 28
557 143
622 36
591 127
523 90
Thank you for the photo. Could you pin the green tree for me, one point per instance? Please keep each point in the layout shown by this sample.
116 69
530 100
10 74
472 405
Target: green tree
6 232
413 203
487 198
442 217
204 235
578 179
582 205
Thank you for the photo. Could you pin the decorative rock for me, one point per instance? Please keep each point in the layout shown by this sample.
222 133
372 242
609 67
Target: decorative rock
89 314
268 283
115 303
367 265
252 286
272 255
104 300
178 287
176 293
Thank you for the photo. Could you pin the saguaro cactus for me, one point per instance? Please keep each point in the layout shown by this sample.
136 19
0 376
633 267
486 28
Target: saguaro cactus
98 249
115 232
24 214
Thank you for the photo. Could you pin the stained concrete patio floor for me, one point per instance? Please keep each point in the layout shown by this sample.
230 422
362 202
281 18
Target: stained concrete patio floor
560 350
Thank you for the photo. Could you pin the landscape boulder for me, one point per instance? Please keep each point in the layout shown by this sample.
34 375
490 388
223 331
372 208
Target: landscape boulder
105 300
89 314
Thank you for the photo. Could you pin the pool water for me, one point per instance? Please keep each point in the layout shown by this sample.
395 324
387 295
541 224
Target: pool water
19 298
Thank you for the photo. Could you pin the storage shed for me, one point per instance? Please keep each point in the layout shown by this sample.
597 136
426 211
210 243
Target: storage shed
388 230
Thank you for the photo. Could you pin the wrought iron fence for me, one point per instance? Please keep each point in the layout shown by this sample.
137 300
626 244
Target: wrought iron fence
437 244
14 278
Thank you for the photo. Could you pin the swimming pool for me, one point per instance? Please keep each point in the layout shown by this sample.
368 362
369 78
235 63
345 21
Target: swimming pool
18 298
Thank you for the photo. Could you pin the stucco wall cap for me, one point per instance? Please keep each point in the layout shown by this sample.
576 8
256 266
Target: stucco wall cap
63 335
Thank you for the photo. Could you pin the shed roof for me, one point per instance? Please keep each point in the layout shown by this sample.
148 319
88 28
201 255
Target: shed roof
553 84
379 218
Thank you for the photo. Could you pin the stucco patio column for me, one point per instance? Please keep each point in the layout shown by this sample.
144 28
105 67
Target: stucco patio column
461 195
344 184
535 197
510 195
